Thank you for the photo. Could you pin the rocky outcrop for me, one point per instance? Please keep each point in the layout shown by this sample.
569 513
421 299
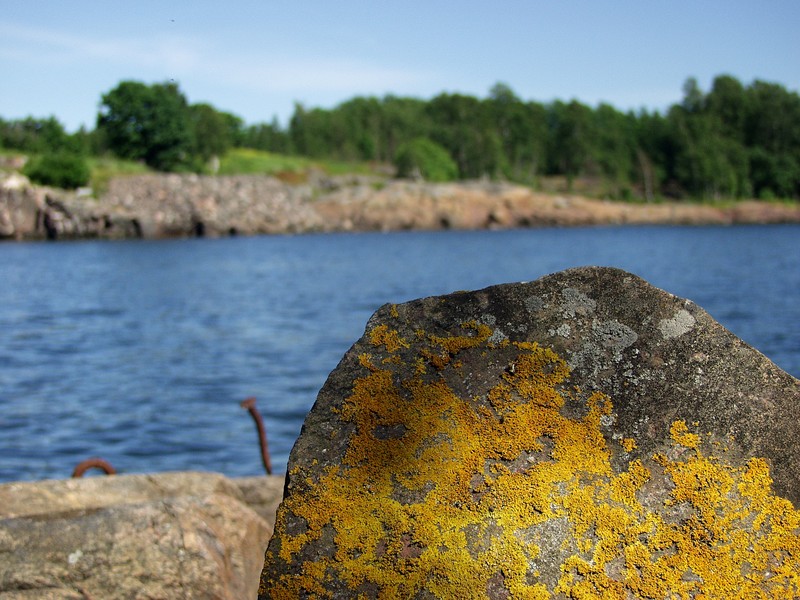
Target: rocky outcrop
191 205
156 206
583 435
32 212
169 536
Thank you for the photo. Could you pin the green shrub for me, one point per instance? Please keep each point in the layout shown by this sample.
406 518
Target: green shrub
425 158
62 170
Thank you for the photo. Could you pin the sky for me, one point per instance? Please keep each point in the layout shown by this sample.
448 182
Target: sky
257 58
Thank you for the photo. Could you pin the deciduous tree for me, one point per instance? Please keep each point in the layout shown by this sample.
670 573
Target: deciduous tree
148 122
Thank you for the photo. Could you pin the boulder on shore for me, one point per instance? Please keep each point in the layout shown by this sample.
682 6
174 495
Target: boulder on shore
586 435
182 535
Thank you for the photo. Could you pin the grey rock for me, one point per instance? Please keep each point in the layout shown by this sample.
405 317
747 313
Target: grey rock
612 440
193 205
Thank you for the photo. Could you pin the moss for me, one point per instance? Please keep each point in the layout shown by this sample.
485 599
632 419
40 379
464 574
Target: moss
430 494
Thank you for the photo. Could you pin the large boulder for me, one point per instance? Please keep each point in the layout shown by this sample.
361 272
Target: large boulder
586 435
164 536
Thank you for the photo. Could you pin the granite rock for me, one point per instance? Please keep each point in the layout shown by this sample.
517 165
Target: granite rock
163 536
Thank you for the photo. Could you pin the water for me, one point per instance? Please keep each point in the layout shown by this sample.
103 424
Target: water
140 352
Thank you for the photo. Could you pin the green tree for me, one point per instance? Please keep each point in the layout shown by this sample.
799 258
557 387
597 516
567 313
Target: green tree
423 158
267 136
571 137
614 146
707 163
522 131
654 149
772 134
211 132
148 122
727 104
360 138
403 119
311 132
35 135
462 125
235 128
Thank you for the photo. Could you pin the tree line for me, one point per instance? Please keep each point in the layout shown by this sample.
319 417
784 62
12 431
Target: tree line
732 141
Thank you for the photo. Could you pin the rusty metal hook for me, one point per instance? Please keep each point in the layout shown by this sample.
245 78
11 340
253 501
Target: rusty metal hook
93 463
250 405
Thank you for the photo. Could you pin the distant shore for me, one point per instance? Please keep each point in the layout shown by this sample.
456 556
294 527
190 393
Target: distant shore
164 206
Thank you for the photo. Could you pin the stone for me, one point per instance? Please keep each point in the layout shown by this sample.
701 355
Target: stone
162 536
19 207
584 435
263 494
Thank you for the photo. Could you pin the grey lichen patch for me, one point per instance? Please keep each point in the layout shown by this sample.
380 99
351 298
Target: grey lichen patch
576 303
534 304
563 330
615 335
681 323
498 336
488 319
588 359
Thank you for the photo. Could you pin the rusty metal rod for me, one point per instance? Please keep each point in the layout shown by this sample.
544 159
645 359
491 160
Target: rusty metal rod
93 463
250 405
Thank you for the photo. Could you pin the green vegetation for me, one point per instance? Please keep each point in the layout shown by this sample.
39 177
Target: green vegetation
259 162
423 158
61 169
104 168
733 141
248 161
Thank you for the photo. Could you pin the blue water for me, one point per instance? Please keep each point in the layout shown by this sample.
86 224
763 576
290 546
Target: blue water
141 351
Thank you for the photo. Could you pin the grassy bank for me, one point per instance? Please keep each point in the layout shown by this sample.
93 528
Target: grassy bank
246 161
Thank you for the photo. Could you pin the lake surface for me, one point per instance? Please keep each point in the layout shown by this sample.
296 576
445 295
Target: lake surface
141 351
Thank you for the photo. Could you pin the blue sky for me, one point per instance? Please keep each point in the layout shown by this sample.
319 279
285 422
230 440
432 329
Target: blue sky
257 58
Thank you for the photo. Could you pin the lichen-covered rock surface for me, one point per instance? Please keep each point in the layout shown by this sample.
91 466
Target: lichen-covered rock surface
583 436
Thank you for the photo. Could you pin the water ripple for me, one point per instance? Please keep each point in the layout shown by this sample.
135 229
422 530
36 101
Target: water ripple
140 352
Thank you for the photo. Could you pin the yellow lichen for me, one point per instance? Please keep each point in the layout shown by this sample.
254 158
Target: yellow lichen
681 435
389 338
441 492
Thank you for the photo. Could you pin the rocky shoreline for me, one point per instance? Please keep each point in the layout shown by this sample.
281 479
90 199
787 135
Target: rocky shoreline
164 206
